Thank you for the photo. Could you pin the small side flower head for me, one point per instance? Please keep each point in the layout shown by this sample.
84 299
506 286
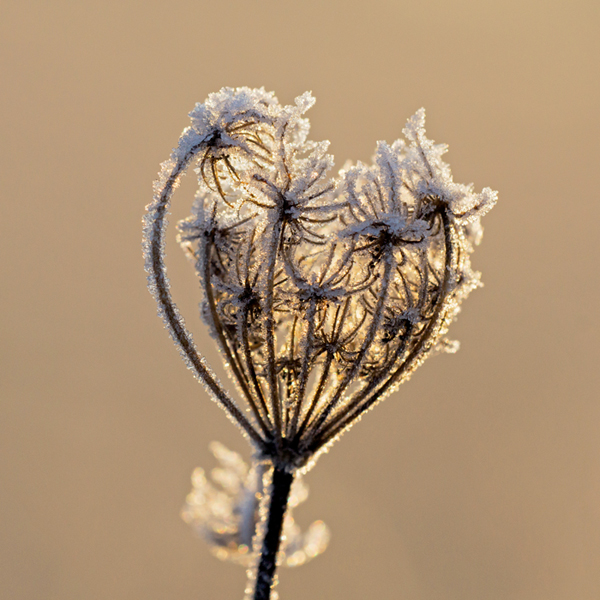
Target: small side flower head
226 512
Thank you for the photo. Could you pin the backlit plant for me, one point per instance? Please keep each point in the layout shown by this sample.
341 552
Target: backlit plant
323 293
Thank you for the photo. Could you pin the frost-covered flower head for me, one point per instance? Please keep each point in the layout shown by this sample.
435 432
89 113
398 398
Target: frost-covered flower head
323 292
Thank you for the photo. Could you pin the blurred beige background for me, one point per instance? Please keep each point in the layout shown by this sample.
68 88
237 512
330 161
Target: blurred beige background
479 480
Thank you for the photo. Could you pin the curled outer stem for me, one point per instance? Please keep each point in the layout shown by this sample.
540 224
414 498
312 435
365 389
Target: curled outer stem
373 392
155 224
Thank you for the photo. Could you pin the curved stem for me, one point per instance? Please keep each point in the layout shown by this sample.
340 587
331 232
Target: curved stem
243 328
273 250
308 344
231 357
316 396
428 338
337 330
154 242
358 405
314 429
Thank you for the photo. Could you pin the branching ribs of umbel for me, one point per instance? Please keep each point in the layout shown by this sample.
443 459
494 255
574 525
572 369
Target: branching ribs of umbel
323 293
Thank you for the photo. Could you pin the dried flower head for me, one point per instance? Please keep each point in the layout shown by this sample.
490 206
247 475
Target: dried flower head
323 293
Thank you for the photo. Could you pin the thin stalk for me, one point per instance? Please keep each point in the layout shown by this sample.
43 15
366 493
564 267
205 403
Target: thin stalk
354 407
243 327
281 485
317 395
337 329
377 314
308 343
231 358
270 328
154 233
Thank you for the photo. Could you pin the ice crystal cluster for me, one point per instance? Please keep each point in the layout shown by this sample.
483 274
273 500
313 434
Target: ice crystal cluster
323 292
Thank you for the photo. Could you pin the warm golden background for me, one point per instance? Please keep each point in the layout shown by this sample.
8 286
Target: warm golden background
479 480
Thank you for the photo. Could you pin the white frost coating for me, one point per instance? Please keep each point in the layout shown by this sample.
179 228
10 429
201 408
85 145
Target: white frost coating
433 178
225 512
229 106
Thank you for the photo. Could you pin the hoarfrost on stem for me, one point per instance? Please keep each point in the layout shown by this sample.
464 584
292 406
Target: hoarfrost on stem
323 293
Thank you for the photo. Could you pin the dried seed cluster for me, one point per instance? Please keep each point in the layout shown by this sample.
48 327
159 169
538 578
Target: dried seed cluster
324 293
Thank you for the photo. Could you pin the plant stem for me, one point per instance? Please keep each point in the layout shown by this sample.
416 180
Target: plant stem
280 491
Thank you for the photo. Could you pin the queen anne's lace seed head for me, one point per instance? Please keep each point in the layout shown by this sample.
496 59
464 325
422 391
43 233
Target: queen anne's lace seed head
323 293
